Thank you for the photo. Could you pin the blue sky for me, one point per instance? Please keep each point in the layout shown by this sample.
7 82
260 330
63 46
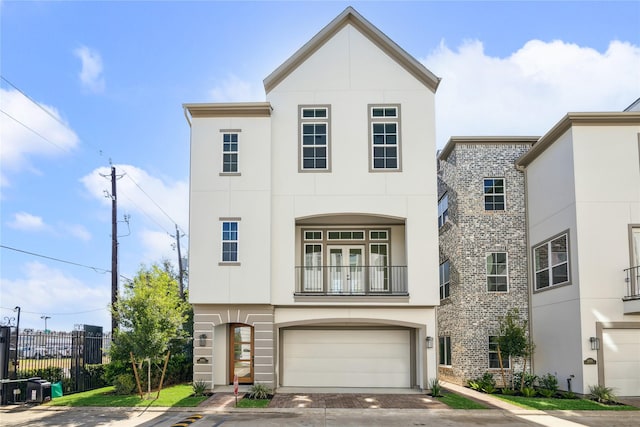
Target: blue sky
89 83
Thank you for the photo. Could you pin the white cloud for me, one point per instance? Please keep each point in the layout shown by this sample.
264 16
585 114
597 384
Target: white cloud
45 290
529 91
78 231
26 221
233 89
23 129
91 74
158 246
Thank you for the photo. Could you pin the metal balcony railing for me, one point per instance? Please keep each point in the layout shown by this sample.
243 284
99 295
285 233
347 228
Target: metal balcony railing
351 280
633 283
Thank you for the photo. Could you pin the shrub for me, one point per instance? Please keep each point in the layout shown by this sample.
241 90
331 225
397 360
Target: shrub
529 392
51 373
530 380
199 388
545 392
508 391
602 394
489 388
569 395
548 382
436 388
96 375
475 385
124 384
259 391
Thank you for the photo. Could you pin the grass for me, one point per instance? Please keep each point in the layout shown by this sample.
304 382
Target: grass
551 404
175 396
253 403
455 401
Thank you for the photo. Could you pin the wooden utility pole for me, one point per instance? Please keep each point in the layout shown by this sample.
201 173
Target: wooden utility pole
180 270
114 251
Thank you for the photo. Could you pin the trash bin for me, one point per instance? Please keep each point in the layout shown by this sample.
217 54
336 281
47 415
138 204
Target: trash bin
38 390
56 389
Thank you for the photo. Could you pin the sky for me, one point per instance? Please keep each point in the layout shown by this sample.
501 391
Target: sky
86 85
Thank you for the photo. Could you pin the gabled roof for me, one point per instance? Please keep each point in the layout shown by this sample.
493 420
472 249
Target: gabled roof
350 16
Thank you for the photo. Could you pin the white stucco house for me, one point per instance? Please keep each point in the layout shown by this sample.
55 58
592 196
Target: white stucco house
583 229
313 221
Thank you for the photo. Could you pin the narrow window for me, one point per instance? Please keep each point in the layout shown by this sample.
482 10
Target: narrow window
314 138
494 361
384 124
494 194
497 272
551 262
443 210
445 350
229 152
229 241
444 280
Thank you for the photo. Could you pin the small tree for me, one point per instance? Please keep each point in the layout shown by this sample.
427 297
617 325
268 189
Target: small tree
512 339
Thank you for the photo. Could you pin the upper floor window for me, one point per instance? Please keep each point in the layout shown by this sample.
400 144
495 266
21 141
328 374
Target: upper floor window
443 210
497 272
444 346
384 127
314 138
229 241
551 262
444 280
494 194
494 359
229 152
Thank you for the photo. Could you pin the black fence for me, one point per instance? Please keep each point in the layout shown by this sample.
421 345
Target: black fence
73 359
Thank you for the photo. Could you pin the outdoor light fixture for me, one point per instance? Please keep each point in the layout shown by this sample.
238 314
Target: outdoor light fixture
595 343
429 342
202 340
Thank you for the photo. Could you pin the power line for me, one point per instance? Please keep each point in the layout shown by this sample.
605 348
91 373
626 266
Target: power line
49 113
34 131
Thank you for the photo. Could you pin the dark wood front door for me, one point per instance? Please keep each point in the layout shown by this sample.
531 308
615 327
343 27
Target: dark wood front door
241 353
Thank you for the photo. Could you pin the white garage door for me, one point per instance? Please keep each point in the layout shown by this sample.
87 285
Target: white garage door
346 358
622 360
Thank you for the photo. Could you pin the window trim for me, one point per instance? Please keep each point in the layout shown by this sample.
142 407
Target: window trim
308 120
633 228
445 287
444 348
443 216
547 242
506 362
505 275
384 119
485 194
222 241
237 152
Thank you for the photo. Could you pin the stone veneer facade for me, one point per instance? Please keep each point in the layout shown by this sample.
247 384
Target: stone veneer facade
471 313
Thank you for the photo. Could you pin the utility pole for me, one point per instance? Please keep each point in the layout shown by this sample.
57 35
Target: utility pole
114 251
180 270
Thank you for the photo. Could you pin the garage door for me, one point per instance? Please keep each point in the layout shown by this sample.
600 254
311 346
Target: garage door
622 360
346 358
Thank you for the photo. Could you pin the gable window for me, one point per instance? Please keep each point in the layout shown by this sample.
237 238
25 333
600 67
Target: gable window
229 241
443 210
314 138
444 280
551 262
229 152
494 194
384 128
497 272
494 361
444 345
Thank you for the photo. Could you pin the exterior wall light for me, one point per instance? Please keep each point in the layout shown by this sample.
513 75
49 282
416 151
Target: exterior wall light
595 343
202 340
429 342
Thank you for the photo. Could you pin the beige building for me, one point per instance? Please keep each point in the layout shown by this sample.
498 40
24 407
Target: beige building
313 221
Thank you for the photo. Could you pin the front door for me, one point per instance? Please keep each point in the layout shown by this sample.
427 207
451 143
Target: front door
346 271
241 353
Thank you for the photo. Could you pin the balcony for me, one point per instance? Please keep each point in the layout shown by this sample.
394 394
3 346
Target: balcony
351 280
631 299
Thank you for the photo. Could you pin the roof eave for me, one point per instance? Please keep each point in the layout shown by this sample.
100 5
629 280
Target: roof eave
454 140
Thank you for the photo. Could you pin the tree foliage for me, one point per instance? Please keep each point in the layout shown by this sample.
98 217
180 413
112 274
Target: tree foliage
151 316
512 339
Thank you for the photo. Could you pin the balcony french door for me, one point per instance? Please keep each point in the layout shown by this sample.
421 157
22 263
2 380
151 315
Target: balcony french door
346 272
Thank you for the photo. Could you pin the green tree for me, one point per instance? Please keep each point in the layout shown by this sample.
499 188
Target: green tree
512 340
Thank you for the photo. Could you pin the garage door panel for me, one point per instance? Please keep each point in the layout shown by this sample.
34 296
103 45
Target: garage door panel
346 358
621 353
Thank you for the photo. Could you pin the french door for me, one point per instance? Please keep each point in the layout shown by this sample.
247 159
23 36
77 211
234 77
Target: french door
346 268
241 353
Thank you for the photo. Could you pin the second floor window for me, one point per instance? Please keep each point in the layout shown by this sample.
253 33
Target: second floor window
229 241
497 272
314 138
551 262
229 152
444 280
494 194
385 137
443 210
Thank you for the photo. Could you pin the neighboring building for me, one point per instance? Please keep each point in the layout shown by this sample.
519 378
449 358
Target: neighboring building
483 251
313 237
583 208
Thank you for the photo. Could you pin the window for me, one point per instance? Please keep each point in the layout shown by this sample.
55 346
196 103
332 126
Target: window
445 350
444 280
494 361
345 235
229 241
314 138
494 194
385 138
229 152
635 247
551 262
497 272
443 210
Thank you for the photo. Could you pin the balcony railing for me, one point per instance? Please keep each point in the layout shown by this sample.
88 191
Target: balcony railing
633 283
351 280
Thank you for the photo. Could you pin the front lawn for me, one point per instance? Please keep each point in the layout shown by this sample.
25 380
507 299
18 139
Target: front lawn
455 401
253 403
175 396
551 404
